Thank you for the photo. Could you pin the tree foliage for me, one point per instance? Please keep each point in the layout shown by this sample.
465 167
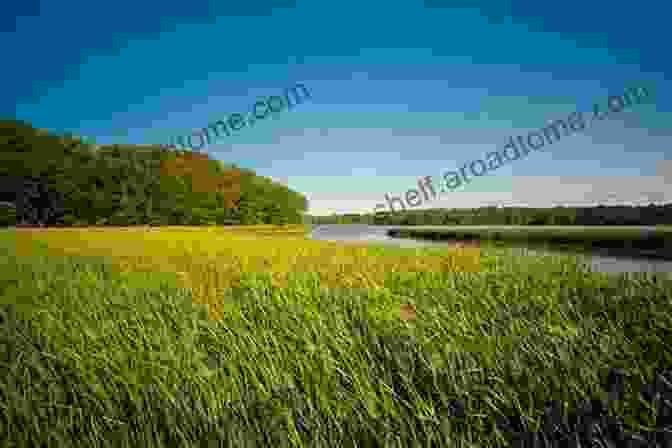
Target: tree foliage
60 180
582 216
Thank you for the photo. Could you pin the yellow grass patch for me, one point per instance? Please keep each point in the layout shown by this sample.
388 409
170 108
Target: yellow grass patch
407 311
208 260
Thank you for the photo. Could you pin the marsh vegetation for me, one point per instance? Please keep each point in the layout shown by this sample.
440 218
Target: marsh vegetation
257 336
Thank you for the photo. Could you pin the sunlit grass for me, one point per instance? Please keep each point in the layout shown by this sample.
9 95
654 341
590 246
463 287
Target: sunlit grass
214 259
339 337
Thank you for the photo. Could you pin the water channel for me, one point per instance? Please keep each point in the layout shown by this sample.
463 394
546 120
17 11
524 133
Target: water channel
378 234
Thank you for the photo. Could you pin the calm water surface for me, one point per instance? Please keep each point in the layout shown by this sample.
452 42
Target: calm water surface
377 234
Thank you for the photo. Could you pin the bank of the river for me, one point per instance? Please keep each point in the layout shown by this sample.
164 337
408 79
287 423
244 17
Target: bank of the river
631 241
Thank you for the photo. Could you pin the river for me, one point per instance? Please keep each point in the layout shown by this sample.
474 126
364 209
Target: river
377 234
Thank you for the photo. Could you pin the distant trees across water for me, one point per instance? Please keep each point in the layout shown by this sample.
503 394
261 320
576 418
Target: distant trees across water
559 216
61 180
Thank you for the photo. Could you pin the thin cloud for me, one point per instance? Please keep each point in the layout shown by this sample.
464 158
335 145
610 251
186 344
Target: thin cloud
529 191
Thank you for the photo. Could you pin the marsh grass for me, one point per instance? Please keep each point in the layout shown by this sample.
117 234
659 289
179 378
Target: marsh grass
97 355
214 260
622 240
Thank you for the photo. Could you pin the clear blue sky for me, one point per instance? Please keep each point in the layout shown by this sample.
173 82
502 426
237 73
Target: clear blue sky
399 90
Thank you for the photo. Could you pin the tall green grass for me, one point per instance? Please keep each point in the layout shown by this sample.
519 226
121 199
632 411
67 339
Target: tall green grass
91 357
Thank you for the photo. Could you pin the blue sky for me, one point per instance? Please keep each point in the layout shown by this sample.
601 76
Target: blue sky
400 90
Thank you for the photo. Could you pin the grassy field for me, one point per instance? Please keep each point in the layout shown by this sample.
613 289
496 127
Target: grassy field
625 240
260 337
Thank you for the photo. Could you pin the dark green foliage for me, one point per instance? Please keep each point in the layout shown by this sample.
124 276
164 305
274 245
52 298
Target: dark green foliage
58 180
7 214
516 216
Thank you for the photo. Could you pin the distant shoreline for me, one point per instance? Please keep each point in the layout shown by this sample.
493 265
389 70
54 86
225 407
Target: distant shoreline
630 241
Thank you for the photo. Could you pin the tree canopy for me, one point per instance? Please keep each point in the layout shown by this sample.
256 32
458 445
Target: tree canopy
61 180
523 216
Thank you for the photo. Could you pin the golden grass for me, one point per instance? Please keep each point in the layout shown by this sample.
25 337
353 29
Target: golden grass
208 260
407 311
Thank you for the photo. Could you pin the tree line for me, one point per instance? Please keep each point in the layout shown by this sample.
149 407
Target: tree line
651 214
49 179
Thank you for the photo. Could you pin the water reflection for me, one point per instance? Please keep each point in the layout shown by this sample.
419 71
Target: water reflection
378 234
